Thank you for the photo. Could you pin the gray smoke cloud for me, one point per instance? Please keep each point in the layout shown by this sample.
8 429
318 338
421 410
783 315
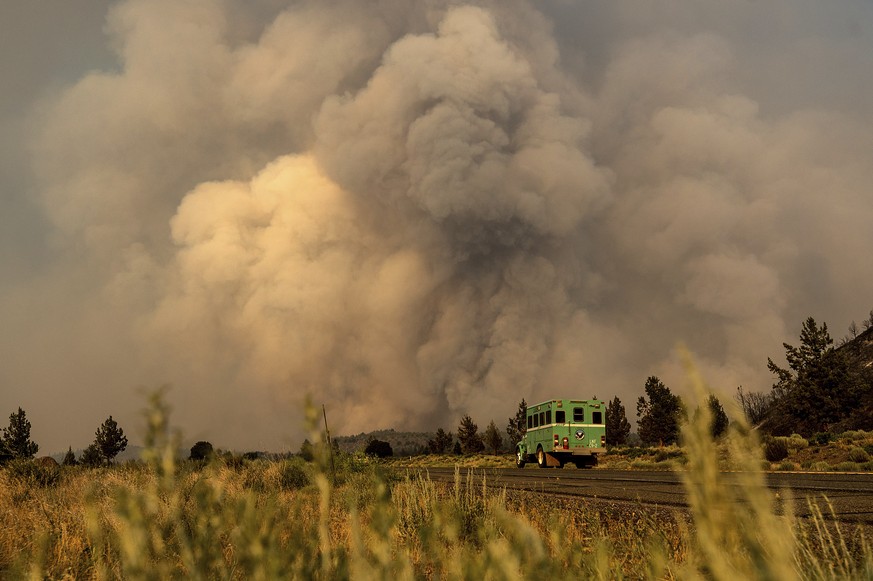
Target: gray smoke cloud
414 211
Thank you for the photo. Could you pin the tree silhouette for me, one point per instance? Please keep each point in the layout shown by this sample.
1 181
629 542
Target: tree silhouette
617 426
91 456
658 415
718 417
69 458
440 443
201 451
492 439
378 448
468 436
16 437
517 426
110 440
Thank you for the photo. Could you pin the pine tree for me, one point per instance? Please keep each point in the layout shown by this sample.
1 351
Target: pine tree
468 436
718 417
110 440
659 415
441 442
69 458
16 438
517 426
617 426
92 456
493 439
818 390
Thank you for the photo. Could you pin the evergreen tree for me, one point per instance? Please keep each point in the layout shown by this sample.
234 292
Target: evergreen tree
110 440
493 439
91 456
659 415
468 436
819 388
69 458
617 426
16 438
307 450
517 426
718 417
441 442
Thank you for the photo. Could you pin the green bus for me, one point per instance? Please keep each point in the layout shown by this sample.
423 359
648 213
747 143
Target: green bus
561 431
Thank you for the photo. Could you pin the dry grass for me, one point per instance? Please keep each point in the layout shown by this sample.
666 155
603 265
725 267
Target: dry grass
162 519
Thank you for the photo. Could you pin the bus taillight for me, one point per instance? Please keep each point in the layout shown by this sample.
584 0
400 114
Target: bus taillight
566 443
556 440
603 441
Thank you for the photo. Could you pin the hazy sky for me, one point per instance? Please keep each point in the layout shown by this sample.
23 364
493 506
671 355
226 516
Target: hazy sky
417 210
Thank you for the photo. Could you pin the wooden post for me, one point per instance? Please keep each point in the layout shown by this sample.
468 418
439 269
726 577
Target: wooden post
329 446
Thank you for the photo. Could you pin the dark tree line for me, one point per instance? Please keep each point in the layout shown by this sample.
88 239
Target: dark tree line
15 442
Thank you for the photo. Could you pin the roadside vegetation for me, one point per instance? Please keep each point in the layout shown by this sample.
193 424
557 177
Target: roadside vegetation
228 517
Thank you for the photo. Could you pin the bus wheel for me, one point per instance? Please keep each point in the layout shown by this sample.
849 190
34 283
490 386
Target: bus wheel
520 460
541 458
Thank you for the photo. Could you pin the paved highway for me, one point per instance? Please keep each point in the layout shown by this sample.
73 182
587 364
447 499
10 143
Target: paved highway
850 494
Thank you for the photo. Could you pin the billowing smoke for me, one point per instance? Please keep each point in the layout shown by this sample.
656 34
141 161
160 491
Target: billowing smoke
413 211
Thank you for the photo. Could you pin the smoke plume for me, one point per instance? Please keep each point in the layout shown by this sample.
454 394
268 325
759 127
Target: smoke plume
413 211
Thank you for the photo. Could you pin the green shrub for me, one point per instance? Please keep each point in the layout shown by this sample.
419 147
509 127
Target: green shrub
776 449
797 442
787 466
854 435
821 467
821 438
858 454
867 466
848 467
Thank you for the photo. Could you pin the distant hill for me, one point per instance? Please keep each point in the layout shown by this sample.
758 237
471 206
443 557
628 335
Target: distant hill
402 443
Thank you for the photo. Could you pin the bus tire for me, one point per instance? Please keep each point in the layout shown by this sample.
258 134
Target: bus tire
541 458
520 458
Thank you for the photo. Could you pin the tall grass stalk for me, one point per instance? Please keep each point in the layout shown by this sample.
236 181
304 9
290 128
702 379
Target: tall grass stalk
168 519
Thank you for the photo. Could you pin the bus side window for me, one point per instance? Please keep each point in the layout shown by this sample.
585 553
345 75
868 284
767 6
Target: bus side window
542 418
536 420
529 422
578 414
596 418
549 416
559 417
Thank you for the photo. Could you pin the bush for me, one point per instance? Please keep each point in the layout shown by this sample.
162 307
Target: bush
859 455
867 466
821 438
31 473
853 435
797 442
201 451
820 467
848 467
292 476
776 449
787 466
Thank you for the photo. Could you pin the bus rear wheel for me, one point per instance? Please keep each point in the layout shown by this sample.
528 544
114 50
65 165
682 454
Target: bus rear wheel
541 458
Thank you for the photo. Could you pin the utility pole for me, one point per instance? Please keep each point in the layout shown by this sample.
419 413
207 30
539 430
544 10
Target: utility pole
329 446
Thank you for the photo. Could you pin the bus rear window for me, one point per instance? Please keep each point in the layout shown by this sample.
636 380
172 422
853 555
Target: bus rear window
559 417
578 414
596 418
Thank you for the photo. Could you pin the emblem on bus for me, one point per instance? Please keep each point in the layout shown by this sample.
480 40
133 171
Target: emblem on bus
580 435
